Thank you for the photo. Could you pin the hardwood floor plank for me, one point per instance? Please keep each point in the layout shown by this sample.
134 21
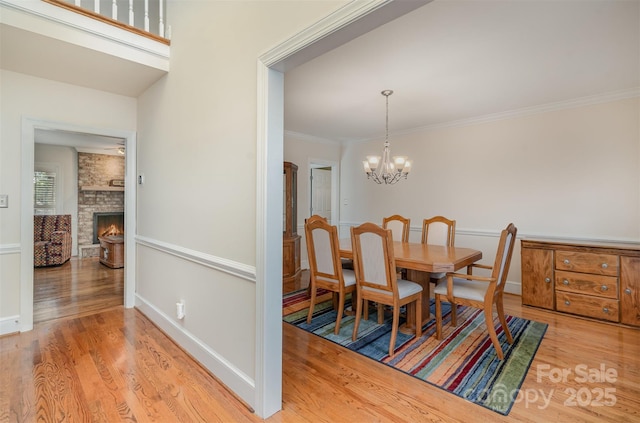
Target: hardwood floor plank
76 288
118 366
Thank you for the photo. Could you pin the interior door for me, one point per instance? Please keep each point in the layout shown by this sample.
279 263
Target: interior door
321 192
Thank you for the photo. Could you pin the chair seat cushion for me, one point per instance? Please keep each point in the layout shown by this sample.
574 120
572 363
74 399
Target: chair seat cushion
436 276
405 288
463 288
349 277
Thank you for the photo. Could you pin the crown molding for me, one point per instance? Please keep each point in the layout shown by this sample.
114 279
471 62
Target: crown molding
533 110
310 138
510 114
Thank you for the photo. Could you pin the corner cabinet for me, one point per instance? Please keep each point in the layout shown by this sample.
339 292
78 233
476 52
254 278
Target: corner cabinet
594 280
290 239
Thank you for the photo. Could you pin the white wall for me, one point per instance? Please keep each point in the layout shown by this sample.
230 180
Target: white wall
197 147
571 174
26 96
66 159
303 151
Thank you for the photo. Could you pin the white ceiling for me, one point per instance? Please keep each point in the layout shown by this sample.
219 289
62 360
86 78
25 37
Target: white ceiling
84 143
453 60
447 61
45 57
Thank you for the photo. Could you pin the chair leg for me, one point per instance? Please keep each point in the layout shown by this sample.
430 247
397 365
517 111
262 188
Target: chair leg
454 314
380 313
366 309
312 301
394 330
357 322
419 317
438 317
340 312
503 321
488 317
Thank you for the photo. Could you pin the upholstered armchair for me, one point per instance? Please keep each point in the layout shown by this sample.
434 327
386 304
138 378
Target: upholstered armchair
51 239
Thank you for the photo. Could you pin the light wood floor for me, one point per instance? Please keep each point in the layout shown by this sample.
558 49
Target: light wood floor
78 287
116 366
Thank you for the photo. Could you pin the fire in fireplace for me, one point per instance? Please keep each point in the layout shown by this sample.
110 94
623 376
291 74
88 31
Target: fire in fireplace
107 224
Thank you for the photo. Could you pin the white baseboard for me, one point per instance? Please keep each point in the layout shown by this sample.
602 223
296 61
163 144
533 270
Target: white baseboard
513 288
239 383
9 324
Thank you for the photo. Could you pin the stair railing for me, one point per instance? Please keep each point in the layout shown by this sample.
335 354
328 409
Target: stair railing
143 17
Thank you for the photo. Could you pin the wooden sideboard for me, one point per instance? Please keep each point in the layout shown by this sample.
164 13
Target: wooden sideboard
594 280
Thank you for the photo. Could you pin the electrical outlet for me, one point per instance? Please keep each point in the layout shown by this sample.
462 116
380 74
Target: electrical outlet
4 200
180 310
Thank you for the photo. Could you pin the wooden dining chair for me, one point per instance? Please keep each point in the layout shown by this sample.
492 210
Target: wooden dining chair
438 230
346 263
325 267
399 226
376 279
481 292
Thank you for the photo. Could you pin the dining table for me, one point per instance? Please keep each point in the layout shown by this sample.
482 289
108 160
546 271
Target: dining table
421 260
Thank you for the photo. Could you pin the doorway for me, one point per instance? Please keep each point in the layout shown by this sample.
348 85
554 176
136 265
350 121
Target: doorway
321 192
81 285
29 129
324 189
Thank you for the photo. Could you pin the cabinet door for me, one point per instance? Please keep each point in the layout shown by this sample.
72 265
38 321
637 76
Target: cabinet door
630 290
537 278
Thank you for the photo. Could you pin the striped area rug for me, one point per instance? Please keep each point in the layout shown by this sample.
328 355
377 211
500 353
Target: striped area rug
463 363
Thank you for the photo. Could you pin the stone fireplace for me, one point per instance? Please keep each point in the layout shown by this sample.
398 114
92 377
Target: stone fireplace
97 197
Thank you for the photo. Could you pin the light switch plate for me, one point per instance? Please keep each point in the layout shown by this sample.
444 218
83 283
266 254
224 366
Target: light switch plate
4 200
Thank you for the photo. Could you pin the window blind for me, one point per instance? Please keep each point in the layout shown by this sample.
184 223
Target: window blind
44 191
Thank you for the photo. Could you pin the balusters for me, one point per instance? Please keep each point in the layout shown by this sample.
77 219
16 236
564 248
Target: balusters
146 15
153 10
161 20
131 20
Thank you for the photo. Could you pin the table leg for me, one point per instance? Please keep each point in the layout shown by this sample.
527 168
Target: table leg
423 278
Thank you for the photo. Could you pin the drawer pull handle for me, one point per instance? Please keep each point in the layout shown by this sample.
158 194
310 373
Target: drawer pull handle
566 261
627 291
567 302
566 282
605 265
547 280
604 287
605 309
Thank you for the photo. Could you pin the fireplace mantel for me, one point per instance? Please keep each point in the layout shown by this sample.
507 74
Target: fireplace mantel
100 188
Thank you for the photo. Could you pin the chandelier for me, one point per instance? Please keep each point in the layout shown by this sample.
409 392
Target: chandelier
391 169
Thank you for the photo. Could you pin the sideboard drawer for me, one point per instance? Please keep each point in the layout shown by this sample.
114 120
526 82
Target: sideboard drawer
588 284
598 264
589 306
